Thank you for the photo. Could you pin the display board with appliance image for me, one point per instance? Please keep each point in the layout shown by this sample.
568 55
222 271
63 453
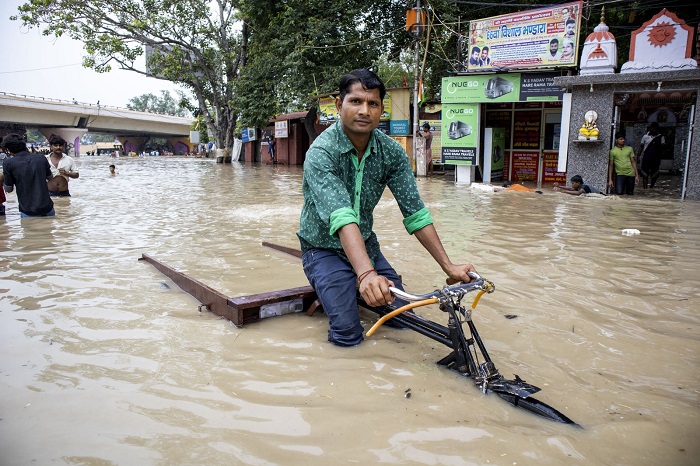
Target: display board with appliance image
460 134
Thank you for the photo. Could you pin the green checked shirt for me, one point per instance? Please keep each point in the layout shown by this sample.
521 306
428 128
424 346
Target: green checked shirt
339 190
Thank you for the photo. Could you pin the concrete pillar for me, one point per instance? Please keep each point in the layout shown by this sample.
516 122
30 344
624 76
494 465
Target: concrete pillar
181 145
71 135
465 174
133 143
421 163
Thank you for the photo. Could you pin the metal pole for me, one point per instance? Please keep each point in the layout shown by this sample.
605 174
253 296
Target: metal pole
687 152
415 88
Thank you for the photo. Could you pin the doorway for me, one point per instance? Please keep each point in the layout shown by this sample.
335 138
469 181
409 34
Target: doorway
671 110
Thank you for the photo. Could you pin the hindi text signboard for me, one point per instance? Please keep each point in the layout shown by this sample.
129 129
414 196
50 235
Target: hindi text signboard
545 37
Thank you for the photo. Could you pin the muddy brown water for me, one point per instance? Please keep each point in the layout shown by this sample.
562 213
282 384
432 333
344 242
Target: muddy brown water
105 361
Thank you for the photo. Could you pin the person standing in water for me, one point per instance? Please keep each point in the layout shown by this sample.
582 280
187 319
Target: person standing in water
63 167
28 173
625 167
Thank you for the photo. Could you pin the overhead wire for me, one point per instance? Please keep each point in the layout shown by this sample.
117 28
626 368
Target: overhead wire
40 69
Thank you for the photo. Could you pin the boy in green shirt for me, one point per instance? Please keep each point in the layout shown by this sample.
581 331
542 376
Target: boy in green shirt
623 161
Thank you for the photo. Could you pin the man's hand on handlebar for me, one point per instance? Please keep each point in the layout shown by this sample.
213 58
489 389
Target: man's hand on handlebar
375 290
460 273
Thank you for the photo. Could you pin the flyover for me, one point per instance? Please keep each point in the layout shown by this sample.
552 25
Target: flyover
71 120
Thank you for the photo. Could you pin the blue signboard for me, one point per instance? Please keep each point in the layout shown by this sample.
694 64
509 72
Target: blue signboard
399 128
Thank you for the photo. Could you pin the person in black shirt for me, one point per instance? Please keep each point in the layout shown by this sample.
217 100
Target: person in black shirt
577 187
29 172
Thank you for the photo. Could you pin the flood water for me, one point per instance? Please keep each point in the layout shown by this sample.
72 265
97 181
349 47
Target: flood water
106 361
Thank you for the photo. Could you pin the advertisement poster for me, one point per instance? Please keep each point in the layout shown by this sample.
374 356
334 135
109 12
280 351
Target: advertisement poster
399 128
460 134
327 113
498 144
550 175
281 129
386 115
525 165
526 129
539 87
545 37
485 88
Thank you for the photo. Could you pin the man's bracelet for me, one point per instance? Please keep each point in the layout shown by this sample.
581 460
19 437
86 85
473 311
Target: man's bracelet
363 276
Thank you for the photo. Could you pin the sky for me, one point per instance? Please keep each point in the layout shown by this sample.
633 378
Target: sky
39 66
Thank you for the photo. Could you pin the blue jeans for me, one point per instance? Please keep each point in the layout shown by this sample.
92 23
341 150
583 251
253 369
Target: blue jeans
50 213
624 185
334 281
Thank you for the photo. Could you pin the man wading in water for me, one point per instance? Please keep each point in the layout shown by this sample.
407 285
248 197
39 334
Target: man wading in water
63 167
346 171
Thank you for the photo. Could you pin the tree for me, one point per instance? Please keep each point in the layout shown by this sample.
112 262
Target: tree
300 48
165 104
192 42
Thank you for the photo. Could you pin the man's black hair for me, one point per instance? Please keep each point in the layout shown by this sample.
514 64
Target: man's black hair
569 21
619 135
485 48
367 78
577 179
554 41
476 49
426 125
56 139
14 143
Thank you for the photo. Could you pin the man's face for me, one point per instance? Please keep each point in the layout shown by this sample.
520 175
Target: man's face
576 185
620 142
475 55
57 148
570 27
360 111
565 14
484 54
553 47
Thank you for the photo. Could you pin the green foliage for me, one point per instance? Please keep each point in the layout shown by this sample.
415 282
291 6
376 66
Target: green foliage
301 48
165 104
34 136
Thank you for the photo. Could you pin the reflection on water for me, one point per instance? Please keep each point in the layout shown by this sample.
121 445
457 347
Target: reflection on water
105 361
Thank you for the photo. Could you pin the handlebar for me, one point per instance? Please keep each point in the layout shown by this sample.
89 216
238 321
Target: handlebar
456 290
448 292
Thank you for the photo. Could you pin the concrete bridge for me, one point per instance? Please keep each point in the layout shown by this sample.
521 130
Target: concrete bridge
72 120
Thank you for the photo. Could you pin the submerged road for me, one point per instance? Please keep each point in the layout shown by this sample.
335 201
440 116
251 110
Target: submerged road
106 361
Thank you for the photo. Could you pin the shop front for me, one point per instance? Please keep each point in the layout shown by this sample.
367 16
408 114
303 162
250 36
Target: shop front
504 113
528 116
